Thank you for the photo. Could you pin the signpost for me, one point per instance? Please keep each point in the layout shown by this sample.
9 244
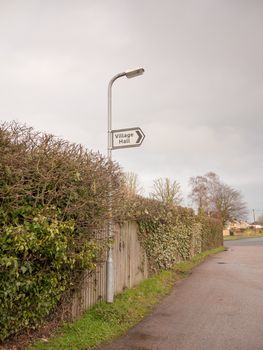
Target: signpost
118 139
124 138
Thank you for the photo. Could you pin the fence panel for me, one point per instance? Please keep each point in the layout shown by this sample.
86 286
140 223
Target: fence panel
130 267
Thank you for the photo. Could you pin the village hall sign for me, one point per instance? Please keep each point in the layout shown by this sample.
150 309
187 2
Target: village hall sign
124 138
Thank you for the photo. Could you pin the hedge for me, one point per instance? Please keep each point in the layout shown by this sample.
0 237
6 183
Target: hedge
53 197
170 233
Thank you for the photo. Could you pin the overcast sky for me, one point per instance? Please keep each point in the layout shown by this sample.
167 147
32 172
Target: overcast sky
199 103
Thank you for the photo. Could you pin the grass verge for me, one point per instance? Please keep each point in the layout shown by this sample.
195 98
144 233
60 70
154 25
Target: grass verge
105 321
245 234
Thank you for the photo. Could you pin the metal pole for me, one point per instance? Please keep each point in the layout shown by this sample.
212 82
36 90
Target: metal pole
131 73
109 265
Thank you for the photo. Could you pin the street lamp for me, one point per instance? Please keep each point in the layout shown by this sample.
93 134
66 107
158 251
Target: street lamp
131 73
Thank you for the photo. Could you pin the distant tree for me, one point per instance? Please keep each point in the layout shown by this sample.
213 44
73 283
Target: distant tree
260 219
229 204
203 188
132 185
167 191
217 199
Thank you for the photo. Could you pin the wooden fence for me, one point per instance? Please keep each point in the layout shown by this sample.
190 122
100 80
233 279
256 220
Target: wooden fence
130 267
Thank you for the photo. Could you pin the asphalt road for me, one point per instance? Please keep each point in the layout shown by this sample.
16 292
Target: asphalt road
220 306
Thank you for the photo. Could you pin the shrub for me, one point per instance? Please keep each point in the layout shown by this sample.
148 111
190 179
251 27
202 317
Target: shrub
37 257
170 233
211 233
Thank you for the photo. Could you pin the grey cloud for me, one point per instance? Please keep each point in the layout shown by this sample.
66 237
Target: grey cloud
200 101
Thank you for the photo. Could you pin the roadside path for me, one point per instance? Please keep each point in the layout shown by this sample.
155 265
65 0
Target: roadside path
219 307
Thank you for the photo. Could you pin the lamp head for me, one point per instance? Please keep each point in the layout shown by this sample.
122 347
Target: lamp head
131 73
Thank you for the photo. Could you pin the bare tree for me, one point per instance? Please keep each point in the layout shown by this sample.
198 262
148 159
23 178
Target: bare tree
228 204
203 189
132 184
214 197
167 191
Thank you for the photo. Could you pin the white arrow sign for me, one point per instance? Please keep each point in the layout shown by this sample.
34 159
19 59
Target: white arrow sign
124 138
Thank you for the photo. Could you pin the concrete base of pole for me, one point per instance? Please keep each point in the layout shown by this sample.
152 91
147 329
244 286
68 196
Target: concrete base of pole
109 279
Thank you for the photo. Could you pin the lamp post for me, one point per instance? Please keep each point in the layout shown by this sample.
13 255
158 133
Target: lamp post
131 73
